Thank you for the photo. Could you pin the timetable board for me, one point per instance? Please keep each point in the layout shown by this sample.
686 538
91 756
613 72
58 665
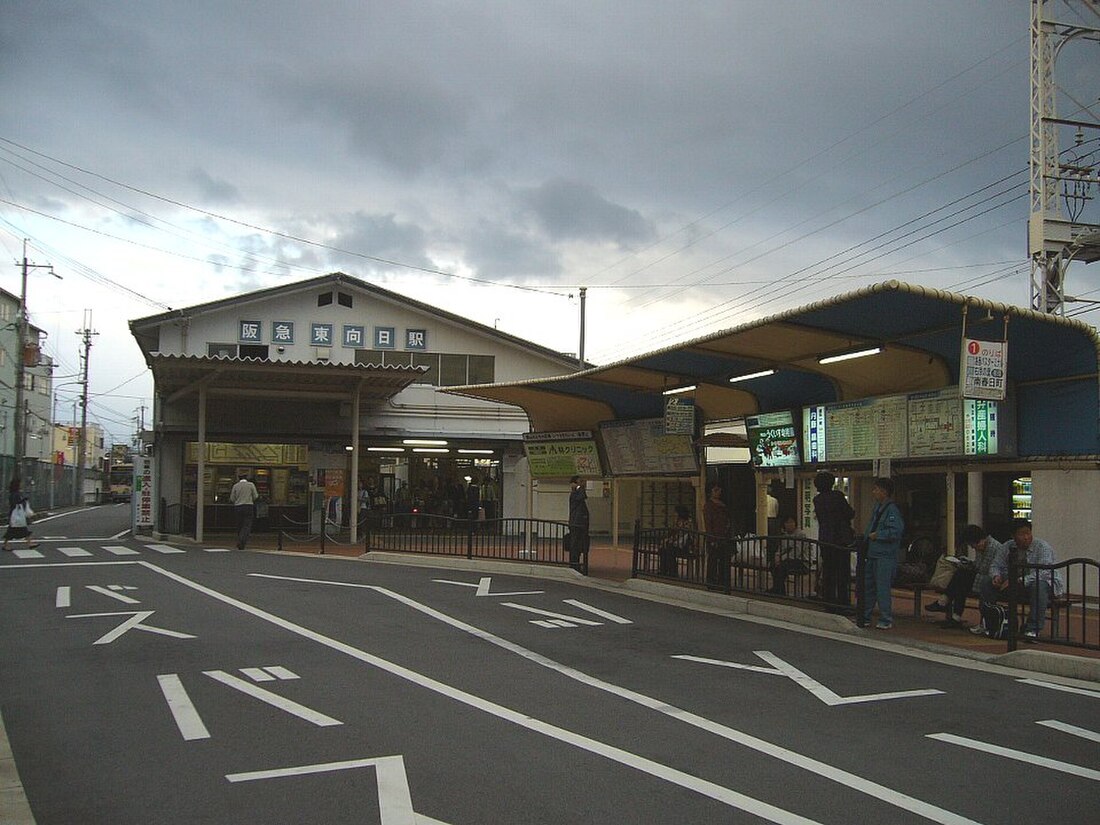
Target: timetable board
643 448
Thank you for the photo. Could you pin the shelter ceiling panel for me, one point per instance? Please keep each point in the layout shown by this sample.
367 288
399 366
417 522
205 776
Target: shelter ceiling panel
718 403
780 342
548 411
895 370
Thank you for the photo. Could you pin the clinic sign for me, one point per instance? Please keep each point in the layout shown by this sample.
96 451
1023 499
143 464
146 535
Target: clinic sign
984 367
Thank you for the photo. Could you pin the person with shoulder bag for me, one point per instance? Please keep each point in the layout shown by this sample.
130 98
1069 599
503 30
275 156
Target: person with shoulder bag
19 516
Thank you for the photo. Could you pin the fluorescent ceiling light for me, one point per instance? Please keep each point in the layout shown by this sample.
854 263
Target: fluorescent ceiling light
848 356
425 442
385 449
750 375
430 450
678 390
476 452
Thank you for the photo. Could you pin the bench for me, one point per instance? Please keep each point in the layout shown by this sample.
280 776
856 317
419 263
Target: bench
1055 606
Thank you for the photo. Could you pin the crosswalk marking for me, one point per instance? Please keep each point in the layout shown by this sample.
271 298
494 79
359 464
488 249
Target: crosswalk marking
165 548
73 552
216 549
27 553
120 550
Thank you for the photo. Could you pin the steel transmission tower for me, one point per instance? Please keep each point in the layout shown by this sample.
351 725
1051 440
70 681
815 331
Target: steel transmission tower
1062 178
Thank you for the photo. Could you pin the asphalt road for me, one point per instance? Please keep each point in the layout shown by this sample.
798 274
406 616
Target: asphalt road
141 685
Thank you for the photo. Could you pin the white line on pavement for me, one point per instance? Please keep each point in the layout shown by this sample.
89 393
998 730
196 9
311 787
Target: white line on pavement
826 771
74 552
64 596
1065 727
1019 756
95 588
121 550
183 710
275 700
611 617
829 697
550 613
1064 688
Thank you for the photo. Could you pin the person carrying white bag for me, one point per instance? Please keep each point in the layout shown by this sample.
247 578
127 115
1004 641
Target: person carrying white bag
20 515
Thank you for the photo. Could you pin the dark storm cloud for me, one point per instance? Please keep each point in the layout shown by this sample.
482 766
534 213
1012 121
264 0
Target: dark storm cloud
512 256
568 210
214 191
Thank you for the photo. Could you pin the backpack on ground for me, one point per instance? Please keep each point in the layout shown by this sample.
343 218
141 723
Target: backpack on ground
995 619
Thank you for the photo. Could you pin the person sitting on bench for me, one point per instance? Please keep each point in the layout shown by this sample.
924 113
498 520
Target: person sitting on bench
1039 585
970 578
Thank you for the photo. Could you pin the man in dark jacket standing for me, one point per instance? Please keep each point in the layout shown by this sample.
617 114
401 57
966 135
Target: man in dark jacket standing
834 531
883 536
578 520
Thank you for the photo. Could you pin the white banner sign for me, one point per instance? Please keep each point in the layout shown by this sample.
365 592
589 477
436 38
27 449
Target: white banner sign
984 367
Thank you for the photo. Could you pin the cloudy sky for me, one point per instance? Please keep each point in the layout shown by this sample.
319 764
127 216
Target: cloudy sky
695 165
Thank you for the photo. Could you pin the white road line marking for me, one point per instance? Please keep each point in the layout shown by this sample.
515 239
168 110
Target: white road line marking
106 591
183 710
814 766
547 624
1065 727
121 550
257 674
216 549
1019 756
27 553
561 623
64 596
829 697
293 708
1064 688
482 587
280 672
736 665
133 623
611 617
394 800
165 548
539 612
709 789
117 536
73 552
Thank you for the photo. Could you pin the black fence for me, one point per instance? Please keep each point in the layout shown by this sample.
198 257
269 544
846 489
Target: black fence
508 539
317 528
1063 614
794 568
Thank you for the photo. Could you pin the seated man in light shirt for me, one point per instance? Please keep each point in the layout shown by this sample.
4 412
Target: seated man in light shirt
1024 548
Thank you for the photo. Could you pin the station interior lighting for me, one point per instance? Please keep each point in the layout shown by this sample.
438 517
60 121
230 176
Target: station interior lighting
476 452
750 375
848 356
385 449
424 442
430 449
678 390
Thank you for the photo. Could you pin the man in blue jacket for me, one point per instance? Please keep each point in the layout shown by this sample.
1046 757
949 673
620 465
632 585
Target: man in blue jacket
883 536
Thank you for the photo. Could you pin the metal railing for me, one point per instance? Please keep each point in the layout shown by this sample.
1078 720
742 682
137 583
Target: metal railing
509 539
1071 618
785 567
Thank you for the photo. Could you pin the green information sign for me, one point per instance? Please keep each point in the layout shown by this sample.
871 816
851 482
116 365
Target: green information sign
562 455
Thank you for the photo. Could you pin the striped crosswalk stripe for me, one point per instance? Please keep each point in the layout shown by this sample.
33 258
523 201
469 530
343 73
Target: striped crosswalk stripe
120 550
73 552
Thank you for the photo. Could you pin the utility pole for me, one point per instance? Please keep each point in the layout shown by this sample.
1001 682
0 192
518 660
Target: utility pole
86 334
580 349
19 416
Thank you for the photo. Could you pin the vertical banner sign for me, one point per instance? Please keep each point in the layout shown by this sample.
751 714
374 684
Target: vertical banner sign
143 492
984 367
679 416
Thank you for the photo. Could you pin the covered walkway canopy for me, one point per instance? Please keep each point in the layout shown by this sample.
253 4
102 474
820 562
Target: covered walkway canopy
1052 366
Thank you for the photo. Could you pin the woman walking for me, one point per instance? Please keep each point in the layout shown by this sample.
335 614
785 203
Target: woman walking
19 513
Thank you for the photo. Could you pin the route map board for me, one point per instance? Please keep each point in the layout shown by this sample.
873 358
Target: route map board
642 448
562 454
932 424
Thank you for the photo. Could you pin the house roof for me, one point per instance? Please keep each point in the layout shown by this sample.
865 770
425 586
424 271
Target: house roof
337 279
1052 366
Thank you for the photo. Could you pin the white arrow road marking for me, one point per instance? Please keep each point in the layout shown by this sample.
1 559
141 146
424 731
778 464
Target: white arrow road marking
611 617
1065 727
782 668
827 696
183 709
482 587
1019 756
552 614
106 591
823 770
133 623
736 665
394 800
293 708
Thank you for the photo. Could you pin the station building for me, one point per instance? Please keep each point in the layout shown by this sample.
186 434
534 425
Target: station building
326 392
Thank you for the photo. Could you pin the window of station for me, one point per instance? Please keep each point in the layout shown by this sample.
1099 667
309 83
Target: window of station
344 299
253 351
221 350
444 369
324 299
